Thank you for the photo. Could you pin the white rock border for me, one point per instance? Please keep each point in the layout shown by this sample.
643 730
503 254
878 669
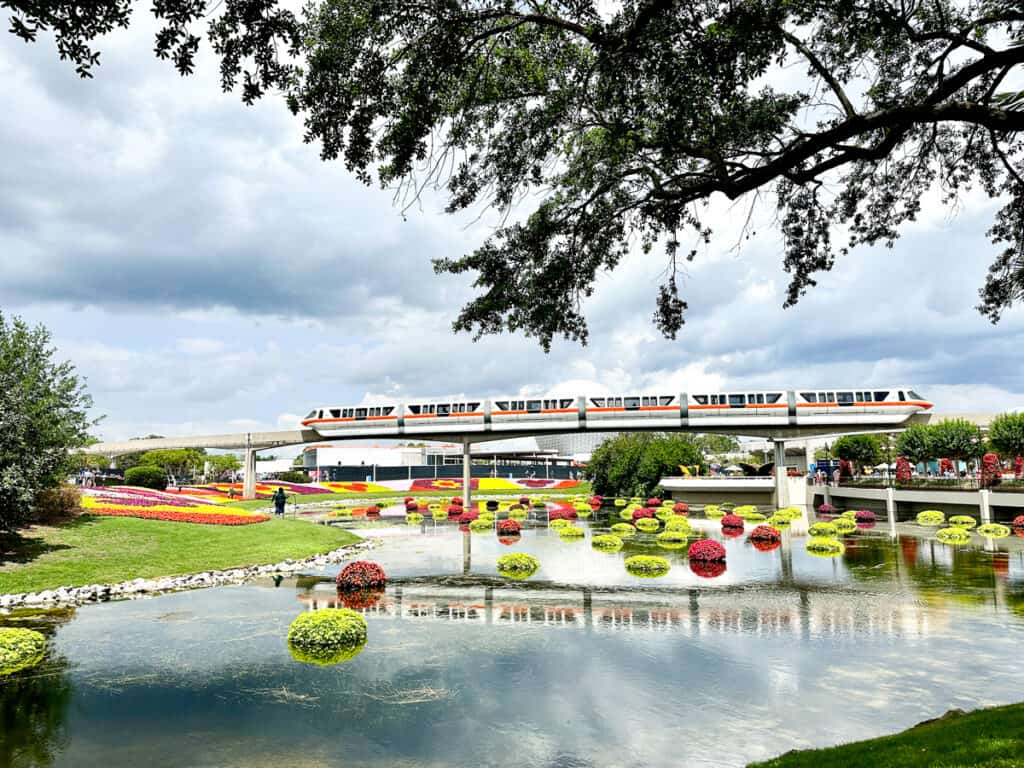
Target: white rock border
130 590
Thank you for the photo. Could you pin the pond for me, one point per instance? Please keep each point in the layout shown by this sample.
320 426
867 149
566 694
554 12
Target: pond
581 665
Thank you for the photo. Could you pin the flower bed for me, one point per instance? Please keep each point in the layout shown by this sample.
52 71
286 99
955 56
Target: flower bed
931 517
518 565
707 549
647 566
766 533
732 521
361 574
606 543
124 501
623 530
202 518
327 636
954 535
993 531
20 649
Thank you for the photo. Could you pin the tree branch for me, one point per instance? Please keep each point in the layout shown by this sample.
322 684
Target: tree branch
822 70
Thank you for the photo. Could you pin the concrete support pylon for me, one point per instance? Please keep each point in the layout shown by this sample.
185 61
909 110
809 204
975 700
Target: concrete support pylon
781 496
467 474
249 484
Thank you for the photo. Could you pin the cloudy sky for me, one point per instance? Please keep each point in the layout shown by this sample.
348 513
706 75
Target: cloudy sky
207 272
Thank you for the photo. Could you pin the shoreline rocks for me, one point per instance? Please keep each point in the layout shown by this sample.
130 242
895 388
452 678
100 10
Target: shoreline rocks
137 588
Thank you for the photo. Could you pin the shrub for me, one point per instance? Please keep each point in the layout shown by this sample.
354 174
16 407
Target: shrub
54 504
518 565
412 506
327 636
563 513
647 566
584 513
707 549
292 477
823 529
677 524
713 512
606 543
993 531
647 525
732 521
663 513
679 508
707 569
509 527
844 525
962 521
766 533
20 649
849 514
481 525
361 574
953 535
653 502
620 502
822 545
864 516
931 517
623 530
146 476
744 510
570 532
414 518
778 522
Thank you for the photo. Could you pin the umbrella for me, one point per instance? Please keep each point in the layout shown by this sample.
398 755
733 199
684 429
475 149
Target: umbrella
733 468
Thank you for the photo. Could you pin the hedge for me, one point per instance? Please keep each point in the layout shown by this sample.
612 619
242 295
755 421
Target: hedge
146 476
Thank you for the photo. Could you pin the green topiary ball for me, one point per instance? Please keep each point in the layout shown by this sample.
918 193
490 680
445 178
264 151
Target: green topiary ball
517 514
778 522
673 539
518 565
583 514
327 636
647 524
415 518
824 546
623 530
850 514
558 523
439 514
844 525
570 532
663 512
993 531
930 517
20 649
677 523
626 513
647 566
788 513
953 535
606 542
620 502
714 512
480 525
823 529
963 521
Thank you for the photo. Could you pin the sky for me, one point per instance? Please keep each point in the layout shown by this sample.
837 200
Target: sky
206 272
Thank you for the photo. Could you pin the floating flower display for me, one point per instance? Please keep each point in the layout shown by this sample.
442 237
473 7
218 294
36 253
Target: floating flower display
373 512
663 513
509 527
826 509
993 531
361 574
673 539
677 524
654 501
596 500
439 515
20 649
766 533
524 500
732 521
411 506
825 546
360 599
414 518
788 513
931 517
953 535
620 502
707 549
327 636
707 569
584 513
558 523
766 545
641 512
516 512
713 512
468 517
827 530
481 525
1018 521
647 566
864 516
844 525
732 533
744 510
570 532
962 521
778 522
627 513
679 508
518 565
606 543
563 513
647 524
849 514
623 530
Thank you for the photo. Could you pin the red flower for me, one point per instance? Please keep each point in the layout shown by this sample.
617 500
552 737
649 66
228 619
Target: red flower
732 533
563 513
864 516
732 521
359 600
1018 521
596 501
468 517
707 549
411 506
457 501
455 511
362 574
524 500
680 508
509 527
707 569
653 502
766 545
409 498
766 533
203 518
642 512
373 511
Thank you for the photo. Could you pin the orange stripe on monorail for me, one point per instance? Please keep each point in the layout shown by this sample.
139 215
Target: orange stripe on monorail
834 404
442 416
542 410
641 408
347 418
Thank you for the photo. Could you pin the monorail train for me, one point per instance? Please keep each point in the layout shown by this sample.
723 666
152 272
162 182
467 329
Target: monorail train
881 406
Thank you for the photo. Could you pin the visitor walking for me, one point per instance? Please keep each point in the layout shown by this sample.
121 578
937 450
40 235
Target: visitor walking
279 501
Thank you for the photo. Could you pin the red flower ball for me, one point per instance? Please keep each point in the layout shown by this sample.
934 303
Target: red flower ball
412 507
864 516
766 545
509 527
865 527
766 533
409 498
707 549
679 508
455 511
654 501
456 501
732 521
563 513
373 511
596 501
362 574
732 533
524 500
509 540
638 513
708 569
468 517
1018 521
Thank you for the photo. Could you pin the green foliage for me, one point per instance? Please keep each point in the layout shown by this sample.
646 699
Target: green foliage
415 518
844 525
677 523
570 532
606 543
623 530
715 445
634 463
178 462
955 439
865 450
518 514
954 535
437 514
558 523
20 649
778 522
146 476
293 477
823 529
1006 434
993 531
481 525
931 517
222 463
647 566
713 512
518 565
327 636
823 545
915 443
647 524
963 521
673 539
43 416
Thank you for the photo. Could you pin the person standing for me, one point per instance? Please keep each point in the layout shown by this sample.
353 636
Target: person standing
279 501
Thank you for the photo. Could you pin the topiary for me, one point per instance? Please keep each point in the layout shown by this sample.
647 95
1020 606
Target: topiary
827 530
623 530
953 535
864 516
744 510
415 518
728 506
517 513
509 527
789 513
672 539
327 636
931 517
620 502
993 531
677 524
850 514
518 565
1018 521
647 525
558 524
468 517
361 574
642 512
606 542
20 649
663 512
707 549
844 525
439 514
826 509
146 476
647 566
481 525
570 532
713 512
778 522
732 521
679 508
766 533
822 545
962 521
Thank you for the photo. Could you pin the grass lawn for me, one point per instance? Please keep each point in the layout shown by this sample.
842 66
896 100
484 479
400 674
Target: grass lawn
90 550
985 738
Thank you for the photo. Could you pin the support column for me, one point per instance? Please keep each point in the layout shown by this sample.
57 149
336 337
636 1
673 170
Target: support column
986 506
781 497
249 484
890 509
467 474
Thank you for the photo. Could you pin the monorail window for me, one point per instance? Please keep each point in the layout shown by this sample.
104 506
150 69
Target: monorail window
632 402
320 414
533 405
414 409
760 398
751 399
880 397
772 397
471 408
701 399
335 413
666 400
914 395
312 415
903 398
810 397
737 400
597 401
845 398
615 402
360 413
444 409
430 409
823 397
502 404
567 402
389 410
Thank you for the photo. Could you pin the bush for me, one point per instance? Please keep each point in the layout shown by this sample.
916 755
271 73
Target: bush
778 522
518 565
361 574
414 518
623 530
570 532
635 463
850 514
707 549
327 636
647 525
962 521
620 502
20 649
845 525
788 513
54 504
642 512
732 521
823 529
468 517
1018 521
294 477
953 535
146 476
993 531
606 543
822 545
439 515
647 566
826 509
767 533
931 517
516 512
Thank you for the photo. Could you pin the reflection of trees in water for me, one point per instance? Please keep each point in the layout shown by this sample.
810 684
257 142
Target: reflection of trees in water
34 703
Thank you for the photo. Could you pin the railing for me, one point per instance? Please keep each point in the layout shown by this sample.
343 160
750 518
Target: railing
932 484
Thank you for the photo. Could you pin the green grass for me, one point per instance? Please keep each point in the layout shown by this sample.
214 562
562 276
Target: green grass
90 550
985 738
